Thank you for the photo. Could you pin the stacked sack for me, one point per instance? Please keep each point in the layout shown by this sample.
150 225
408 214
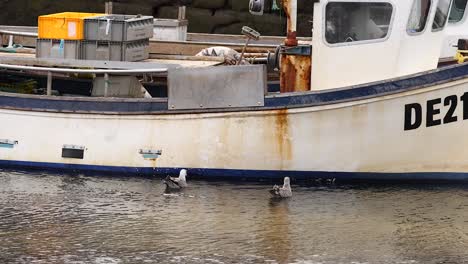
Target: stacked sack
90 36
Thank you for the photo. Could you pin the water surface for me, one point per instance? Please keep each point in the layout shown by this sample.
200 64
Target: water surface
51 218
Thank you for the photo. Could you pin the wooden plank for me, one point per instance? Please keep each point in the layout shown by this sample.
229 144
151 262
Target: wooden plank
166 62
238 39
192 48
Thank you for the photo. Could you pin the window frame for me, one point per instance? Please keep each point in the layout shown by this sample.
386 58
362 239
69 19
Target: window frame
463 17
446 19
359 42
429 15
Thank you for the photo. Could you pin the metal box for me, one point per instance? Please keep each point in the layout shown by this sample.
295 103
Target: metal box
170 29
217 87
67 25
58 49
119 86
118 28
115 51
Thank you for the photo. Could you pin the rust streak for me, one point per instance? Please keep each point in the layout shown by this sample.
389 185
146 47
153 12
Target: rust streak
282 137
295 73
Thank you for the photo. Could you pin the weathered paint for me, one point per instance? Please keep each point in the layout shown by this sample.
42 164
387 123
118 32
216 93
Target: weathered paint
295 73
283 137
354 138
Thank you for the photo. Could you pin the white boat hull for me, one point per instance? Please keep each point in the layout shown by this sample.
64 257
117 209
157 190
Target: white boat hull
363 138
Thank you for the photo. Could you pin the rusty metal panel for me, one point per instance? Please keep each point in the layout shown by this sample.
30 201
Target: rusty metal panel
295 70
217 87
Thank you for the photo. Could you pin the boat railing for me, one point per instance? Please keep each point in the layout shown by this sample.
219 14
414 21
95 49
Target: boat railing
18 33
13 32
105 72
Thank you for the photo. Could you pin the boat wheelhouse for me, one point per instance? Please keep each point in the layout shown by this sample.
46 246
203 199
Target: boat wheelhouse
457 28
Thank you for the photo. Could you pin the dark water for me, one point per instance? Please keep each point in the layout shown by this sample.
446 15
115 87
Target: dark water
46 218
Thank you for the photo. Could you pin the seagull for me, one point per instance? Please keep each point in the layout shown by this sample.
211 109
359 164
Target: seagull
177 183
282 192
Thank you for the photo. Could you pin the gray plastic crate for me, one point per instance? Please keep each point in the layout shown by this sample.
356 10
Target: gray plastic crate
58 49
115 51
170 29
118 28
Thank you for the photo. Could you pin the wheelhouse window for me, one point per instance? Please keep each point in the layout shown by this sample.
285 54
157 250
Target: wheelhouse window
357 21
458 11
440 18
418 17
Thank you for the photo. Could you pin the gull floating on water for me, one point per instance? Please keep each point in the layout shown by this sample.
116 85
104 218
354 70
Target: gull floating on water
177 183
282 192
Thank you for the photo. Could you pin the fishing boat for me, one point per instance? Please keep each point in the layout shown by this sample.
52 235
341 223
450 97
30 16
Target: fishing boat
366 98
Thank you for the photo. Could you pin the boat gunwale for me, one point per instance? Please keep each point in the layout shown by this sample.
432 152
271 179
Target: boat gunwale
272 101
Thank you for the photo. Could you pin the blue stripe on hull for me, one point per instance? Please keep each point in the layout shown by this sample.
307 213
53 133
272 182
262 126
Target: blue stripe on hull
312 98
235 174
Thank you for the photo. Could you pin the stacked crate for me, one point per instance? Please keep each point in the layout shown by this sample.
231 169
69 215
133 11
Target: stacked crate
117 38
60 35
94 37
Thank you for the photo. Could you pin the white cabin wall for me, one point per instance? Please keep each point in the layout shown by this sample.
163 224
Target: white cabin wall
453 32
375 60
355 63
420 52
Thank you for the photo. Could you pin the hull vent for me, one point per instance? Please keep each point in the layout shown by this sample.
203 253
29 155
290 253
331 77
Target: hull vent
73 152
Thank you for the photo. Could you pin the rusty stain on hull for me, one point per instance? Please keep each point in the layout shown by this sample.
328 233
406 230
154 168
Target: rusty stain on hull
295 73
283 138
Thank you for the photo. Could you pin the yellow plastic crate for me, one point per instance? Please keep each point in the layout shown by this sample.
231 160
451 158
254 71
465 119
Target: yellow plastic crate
68 25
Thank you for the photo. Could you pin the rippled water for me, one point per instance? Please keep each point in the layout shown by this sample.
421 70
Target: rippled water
47 218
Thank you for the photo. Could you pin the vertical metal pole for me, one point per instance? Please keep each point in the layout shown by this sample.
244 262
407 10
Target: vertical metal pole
290 7
181 15
109 7
243 51
49 83
106 84
10 41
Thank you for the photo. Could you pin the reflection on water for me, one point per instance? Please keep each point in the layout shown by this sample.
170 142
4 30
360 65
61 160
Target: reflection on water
47 218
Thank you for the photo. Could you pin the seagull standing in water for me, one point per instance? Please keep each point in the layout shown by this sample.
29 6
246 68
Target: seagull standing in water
282 192
177 183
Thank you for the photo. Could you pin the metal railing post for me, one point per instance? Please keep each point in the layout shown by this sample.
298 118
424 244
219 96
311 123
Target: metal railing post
181 13
10 41
109 7
106 84
49 83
